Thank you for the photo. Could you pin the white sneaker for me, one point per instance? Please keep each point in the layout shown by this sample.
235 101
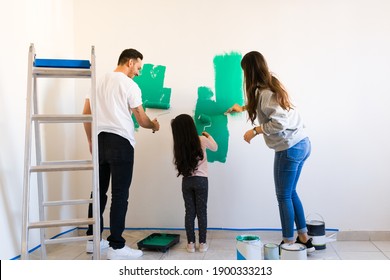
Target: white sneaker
191 247
125 253
103 245
203 247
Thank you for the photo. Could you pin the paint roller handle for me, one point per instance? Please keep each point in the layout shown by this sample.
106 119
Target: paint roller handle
206 134
235 108
156 125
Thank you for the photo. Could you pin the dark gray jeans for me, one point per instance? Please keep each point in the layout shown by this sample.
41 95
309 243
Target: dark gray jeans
195 194
116 160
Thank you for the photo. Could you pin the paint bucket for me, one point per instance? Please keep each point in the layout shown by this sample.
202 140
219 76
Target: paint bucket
293 251
316 231
271 251
248 247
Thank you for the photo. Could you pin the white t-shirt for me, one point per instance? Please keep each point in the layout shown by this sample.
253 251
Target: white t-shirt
115 95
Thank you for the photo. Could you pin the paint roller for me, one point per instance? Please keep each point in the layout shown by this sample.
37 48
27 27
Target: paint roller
157 105
205 120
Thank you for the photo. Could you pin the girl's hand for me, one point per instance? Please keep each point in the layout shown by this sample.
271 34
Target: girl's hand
204 133
235 108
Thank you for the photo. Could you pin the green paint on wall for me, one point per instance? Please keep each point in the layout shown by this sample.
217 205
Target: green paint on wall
151 82
209 112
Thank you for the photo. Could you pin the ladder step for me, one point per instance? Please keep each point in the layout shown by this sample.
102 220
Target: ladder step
46 72
72 165
61 223
67 239
67 202
75 118
61 63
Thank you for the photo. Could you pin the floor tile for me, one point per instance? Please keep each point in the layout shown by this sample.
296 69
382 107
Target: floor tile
384 246
222 246
362 256
354 246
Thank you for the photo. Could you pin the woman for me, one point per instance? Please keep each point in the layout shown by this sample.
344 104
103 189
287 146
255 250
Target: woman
283 131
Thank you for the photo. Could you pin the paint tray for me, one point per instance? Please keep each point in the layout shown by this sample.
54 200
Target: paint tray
62 63
159 241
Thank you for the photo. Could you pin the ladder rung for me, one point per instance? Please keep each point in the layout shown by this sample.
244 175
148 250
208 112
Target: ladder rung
61 223
61 72
72 165
77 118
67 202
67 239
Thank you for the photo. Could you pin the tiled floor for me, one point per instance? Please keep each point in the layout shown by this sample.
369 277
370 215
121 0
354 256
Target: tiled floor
222 246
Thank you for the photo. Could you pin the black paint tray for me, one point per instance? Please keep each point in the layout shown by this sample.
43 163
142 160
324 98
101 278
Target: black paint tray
159 241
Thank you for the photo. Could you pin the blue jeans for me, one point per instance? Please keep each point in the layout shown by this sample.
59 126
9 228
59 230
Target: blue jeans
116 159
287 169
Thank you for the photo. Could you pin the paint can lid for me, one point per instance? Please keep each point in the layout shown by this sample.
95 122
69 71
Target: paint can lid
315 222
271 245
248 238
293 247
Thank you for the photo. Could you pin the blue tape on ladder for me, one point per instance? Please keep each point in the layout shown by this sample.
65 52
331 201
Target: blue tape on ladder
62 63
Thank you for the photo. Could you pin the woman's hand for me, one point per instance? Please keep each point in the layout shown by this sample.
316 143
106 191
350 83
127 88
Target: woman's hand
249 135
235 108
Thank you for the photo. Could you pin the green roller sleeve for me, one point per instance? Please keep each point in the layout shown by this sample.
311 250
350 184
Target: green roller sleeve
205 119
157 105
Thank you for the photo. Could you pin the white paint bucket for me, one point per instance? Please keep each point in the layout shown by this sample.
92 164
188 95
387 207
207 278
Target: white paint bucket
316 231
271 251
293 251
249 247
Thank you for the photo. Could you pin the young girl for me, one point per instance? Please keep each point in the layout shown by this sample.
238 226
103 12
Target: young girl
283 131
190 159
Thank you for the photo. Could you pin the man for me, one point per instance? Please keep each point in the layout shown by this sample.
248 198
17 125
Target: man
117 98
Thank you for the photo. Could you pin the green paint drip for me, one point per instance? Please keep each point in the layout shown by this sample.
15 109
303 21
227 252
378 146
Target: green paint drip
228 90
151 82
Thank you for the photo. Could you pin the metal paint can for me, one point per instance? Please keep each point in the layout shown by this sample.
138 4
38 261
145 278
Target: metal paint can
316 231
293 251
249 247
271 251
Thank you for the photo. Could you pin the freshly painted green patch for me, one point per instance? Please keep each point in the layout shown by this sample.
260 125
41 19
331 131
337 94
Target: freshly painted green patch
210 107
151 82
209 112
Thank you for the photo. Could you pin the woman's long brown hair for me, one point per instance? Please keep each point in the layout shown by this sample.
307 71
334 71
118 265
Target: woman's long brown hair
257 77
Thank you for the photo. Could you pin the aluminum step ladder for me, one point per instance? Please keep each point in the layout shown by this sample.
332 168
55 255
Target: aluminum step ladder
53 68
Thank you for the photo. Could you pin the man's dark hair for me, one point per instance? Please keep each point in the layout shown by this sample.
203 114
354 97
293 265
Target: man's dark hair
128 54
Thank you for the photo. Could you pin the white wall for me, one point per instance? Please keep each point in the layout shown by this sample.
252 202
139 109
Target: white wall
331 55
333 58
48 24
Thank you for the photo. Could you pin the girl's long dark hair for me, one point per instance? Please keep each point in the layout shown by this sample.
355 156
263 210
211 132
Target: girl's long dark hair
258 76
187 150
